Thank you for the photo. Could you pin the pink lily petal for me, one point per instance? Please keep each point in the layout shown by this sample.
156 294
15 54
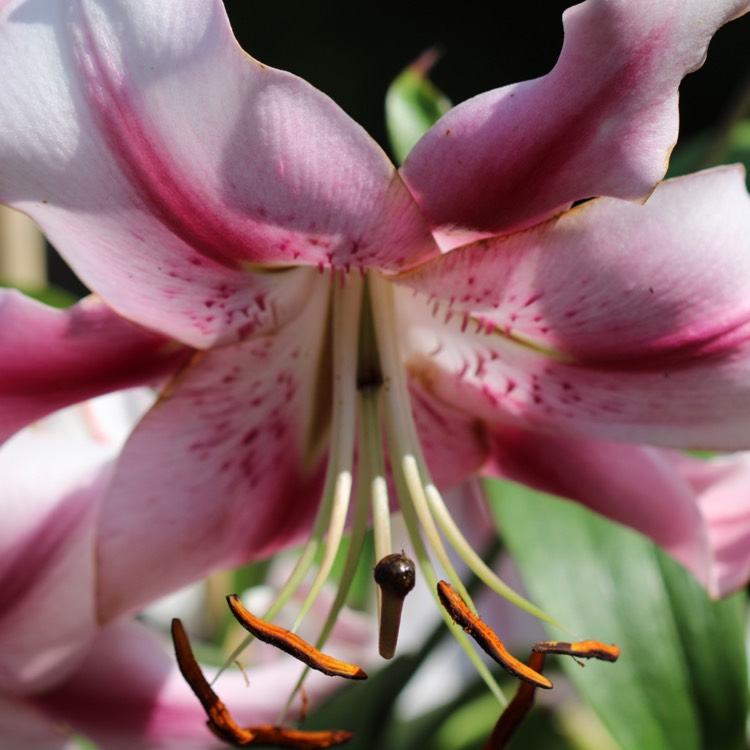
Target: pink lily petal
602 122
635 486
121 686
606 322
722 488
130 694
55 474
52 488
160 159
454 445
245 441
52 358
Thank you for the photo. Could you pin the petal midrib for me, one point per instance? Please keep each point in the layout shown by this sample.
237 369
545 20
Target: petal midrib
143 156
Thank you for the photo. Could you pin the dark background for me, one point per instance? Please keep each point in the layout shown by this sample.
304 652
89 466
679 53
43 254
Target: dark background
352 51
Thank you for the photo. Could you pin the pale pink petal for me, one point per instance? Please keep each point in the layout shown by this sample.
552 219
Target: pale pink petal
611 278
130 694
602 122
635 486
27 727
226 467
52 489
52 358
453 444
607 322
161 160
722 488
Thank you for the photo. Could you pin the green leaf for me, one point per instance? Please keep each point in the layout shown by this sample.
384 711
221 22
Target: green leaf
412 104
51 295
467 727
366 708
705 150
82 743
681 681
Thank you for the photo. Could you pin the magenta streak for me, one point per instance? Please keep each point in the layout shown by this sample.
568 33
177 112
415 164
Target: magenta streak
187 214
680 351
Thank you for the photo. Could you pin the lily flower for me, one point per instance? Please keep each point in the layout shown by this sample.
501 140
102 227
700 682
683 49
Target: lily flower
460 312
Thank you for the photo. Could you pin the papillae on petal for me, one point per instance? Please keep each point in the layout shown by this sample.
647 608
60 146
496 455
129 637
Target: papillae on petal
226 467
615 321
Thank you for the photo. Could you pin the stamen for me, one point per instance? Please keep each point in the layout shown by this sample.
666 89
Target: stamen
427 571
579 649
401 435
516 711
365 361
292 644
340 510
347 306
418 499
476 564
334 504
356 542
372 451
381 516
395 576
486 637
220 721
421 490
272 736
218 714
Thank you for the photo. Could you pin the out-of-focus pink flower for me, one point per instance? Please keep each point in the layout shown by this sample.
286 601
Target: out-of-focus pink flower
61 669
721 487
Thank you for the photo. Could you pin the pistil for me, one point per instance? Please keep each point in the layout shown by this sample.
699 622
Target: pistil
395 576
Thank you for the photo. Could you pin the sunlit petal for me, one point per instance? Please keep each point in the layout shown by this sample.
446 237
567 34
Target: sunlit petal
602 122
159 158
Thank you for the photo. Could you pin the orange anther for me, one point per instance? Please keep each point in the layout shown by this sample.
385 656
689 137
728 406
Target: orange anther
292 644
579 649
485 636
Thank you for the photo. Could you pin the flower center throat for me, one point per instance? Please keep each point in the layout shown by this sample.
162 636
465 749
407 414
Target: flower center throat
371 413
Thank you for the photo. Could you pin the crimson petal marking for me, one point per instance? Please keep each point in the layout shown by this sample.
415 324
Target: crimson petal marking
607 323
226 467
